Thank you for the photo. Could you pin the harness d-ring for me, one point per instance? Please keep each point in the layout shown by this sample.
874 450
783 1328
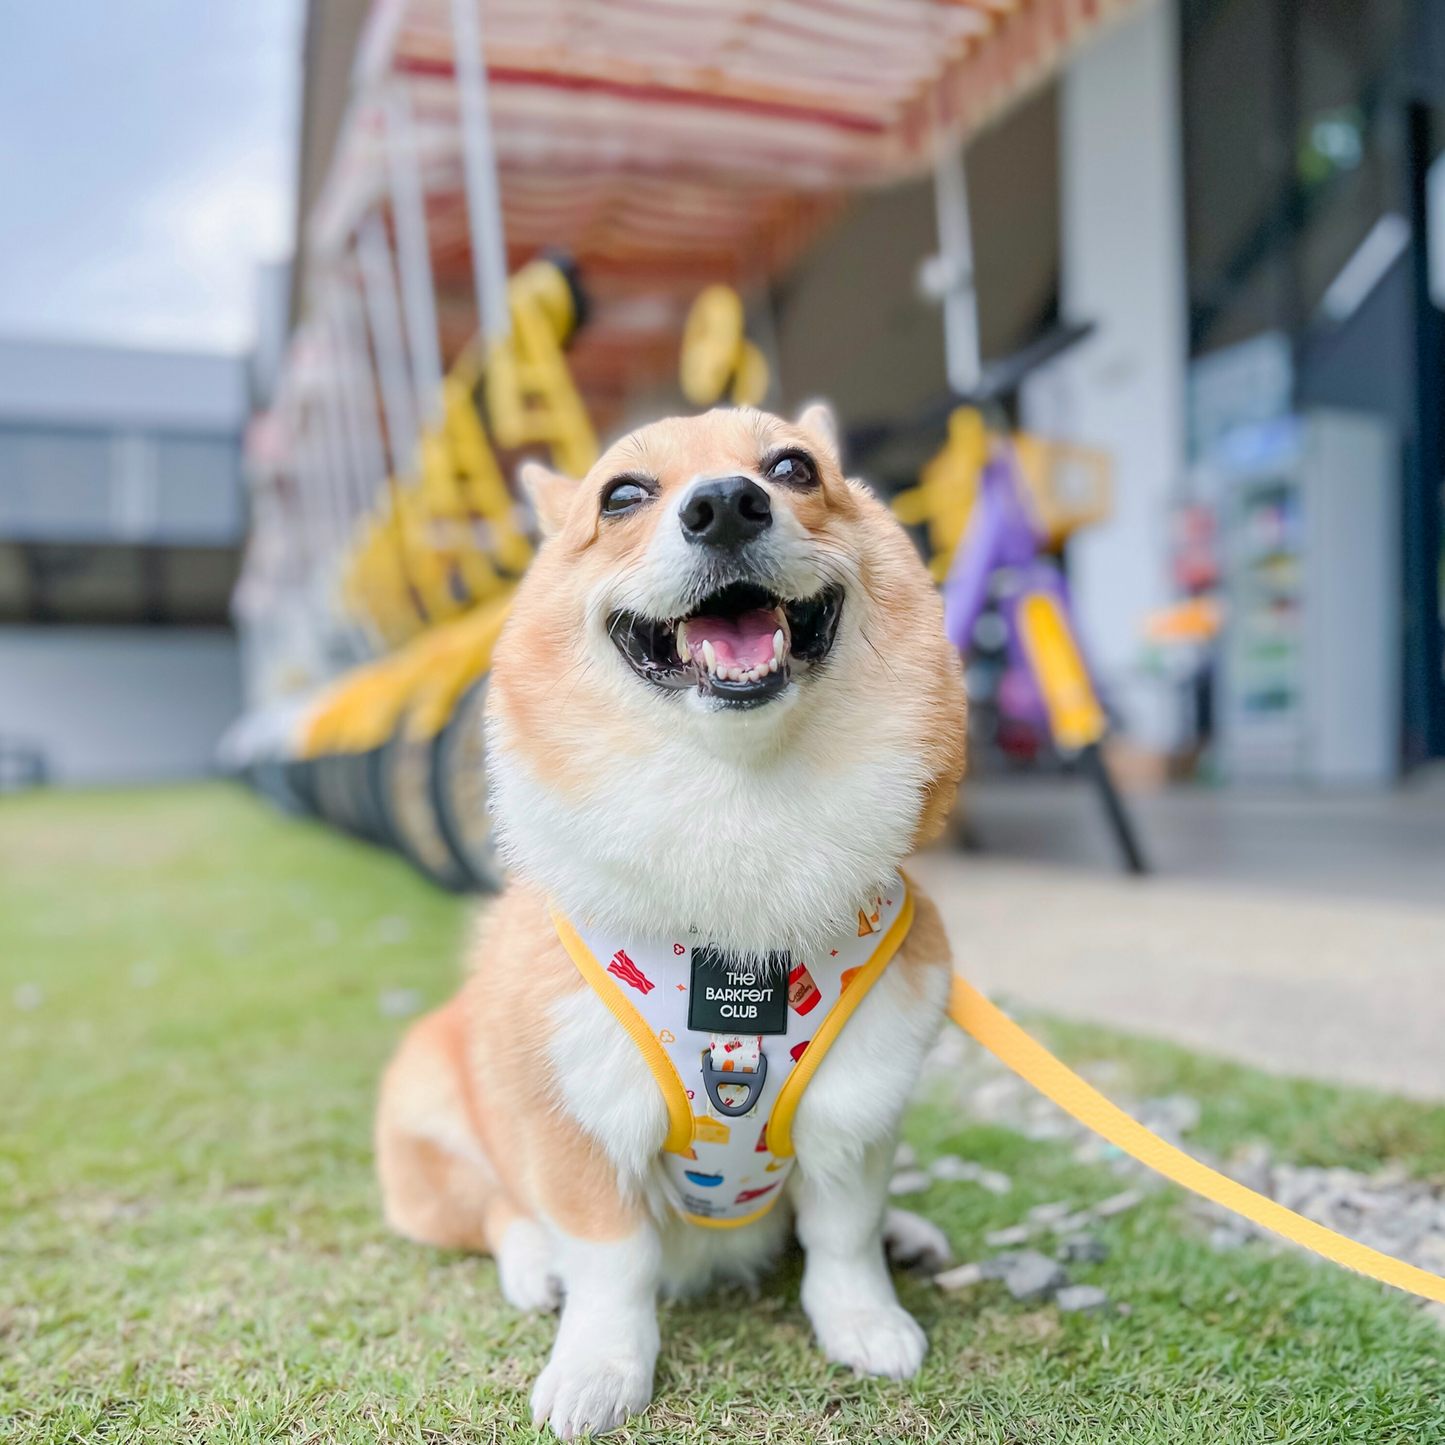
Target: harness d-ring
753 1083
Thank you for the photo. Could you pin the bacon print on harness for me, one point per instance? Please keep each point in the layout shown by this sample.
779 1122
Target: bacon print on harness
623 967
721 1170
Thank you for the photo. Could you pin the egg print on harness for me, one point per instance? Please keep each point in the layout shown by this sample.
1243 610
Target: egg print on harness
733 1045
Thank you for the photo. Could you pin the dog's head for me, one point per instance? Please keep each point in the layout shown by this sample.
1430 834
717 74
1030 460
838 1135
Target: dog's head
726 657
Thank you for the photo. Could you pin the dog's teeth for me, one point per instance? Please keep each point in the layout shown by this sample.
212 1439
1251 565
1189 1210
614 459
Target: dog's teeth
779 643
682 651
709 656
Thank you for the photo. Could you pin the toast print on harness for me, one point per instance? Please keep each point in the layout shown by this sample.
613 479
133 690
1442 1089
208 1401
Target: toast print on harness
721 715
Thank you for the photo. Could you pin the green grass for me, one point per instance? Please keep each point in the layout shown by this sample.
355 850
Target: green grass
191 1247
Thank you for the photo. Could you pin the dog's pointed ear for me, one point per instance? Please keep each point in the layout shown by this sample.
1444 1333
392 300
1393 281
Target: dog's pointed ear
550 494
817 417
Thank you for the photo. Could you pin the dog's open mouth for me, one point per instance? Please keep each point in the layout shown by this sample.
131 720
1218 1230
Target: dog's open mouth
741 645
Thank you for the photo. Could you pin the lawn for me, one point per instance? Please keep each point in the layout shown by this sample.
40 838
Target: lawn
196 997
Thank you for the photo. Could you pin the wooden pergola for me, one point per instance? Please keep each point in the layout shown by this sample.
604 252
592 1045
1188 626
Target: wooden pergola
666 144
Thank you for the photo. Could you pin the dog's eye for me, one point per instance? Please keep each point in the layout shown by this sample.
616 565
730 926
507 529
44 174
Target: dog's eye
794 469
624 494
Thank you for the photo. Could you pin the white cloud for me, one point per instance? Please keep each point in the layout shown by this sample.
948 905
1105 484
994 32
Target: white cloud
147 166
183 273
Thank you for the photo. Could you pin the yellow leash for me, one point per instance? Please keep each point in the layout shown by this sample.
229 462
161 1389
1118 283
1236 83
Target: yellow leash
1035 1064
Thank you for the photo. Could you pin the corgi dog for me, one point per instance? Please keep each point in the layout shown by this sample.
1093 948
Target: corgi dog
721 714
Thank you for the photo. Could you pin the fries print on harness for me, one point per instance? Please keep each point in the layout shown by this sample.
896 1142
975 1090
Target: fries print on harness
721 715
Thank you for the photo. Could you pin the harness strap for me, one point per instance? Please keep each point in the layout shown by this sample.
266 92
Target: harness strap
1029 1059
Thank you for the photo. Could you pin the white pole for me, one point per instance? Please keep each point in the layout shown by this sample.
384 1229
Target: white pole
332 459
359 479
378 281
484 197
311 480
361 384
414 255
955 247
338 442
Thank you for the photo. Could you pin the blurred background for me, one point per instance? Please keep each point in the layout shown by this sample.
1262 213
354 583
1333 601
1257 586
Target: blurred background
1135 312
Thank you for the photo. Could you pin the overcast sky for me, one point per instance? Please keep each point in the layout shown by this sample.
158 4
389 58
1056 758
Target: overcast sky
147 156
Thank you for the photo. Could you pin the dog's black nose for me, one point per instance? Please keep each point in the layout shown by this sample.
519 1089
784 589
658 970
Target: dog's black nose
726 513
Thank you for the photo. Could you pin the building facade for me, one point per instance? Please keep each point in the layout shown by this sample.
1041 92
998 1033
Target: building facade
121 518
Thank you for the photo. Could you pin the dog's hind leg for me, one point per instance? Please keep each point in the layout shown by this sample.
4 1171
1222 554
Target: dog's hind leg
438 1184
914 1242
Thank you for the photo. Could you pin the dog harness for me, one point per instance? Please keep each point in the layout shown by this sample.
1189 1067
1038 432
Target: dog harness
733 1046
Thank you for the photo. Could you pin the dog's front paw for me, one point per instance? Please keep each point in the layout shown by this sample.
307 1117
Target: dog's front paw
882 1340
594 1392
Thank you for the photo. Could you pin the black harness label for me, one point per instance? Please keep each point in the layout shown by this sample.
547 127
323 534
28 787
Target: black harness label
729 997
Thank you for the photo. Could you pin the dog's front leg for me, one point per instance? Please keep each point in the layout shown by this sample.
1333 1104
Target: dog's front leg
600 1370
847 1290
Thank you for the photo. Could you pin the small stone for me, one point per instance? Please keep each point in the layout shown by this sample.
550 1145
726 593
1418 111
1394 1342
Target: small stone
1125 1310
394 928
1173 1114
993 1100
1051 1213
399 1003
995 1182
999 1266
950 1169
909 1181
1118 1203
1222 1239
144 974
1430 1252
1083 1249
1073 1223
1002 1238
1080 1299
1039 1130
1251 1167
960 1278
1033 1276
904 1157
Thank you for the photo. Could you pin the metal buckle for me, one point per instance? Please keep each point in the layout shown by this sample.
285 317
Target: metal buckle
754 1081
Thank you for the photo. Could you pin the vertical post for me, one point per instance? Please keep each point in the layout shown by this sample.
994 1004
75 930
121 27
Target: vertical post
340 444
1424 527
414 255
484 197
361 387
311 483
378 281
341 408
955 248
1123 267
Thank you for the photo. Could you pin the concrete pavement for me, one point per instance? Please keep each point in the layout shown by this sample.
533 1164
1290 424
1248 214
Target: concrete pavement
1342 982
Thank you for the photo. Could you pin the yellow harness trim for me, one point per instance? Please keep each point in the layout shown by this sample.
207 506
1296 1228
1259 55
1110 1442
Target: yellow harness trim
780 1121
975 1015
679 1111
681 1123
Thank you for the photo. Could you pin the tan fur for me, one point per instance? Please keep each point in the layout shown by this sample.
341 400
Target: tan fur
479 1067
539 666
472 1134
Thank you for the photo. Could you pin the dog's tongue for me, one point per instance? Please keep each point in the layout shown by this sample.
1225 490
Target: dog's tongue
744 641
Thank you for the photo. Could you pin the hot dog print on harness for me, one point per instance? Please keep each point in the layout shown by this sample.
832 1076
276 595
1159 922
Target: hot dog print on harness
734 1043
